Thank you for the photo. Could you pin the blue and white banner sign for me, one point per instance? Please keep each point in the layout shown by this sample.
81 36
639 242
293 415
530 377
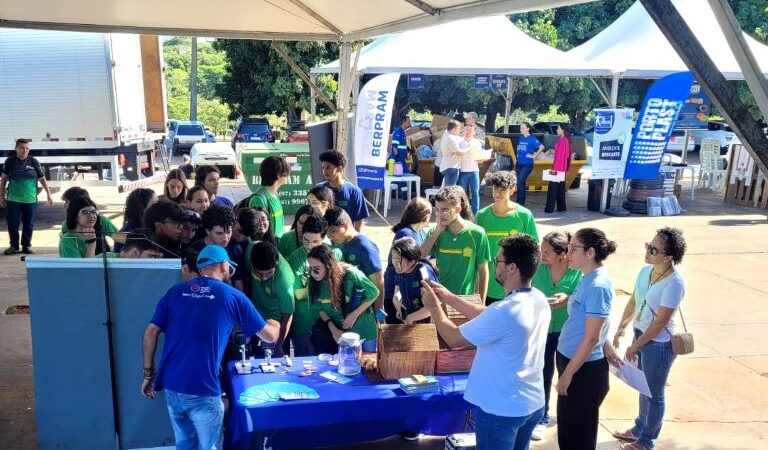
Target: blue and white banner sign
657 119
695 113
499 82
610 143
482 82
373 118
415 81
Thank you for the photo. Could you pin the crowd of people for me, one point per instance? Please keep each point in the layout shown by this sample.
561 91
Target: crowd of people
544 301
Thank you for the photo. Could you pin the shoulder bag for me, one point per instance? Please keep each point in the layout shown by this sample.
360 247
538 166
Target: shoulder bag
682 343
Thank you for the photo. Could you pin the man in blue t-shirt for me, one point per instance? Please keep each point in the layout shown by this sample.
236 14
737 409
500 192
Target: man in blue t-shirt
528 148
399 150
346 195
357 249
197 317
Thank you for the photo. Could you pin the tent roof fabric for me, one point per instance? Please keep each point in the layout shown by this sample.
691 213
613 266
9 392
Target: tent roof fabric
486 45
634 47
255 19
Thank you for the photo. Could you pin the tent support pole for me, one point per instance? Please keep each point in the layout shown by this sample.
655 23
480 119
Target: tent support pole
507 104
313 98
342 95
297 70
614 101
749 67
600 91
723 95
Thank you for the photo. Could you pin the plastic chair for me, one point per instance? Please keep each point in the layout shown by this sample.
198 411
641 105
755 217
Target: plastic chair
711 165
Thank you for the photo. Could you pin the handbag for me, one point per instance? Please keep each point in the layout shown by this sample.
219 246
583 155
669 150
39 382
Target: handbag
682 343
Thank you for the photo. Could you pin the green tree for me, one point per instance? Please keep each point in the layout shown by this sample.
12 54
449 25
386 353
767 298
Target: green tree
258 81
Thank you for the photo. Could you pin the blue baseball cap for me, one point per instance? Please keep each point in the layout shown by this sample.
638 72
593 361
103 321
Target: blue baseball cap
213 254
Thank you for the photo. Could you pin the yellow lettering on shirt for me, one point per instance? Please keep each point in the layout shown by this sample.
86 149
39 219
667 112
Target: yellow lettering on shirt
467 252
450 251
501 233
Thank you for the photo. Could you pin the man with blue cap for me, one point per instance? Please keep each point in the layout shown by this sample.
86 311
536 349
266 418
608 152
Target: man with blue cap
197 317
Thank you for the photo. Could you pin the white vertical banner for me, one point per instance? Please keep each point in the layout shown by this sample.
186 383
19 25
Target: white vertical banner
372 121
610 144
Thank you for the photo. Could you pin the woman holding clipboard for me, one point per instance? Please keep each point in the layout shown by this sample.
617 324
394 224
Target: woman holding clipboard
561 163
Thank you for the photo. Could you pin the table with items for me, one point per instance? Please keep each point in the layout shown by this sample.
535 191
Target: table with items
308 404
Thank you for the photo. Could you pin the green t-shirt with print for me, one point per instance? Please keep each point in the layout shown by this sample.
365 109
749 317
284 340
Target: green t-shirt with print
518 221
272 204
458 256
274 297
542 280
107 227
354 281
22 178
288 243
304 315
72 245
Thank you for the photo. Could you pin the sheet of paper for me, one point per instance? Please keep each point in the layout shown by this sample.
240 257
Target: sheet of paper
633 377
333 376
546 175
480 154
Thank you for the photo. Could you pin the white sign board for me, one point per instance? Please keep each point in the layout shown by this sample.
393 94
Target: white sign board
610 144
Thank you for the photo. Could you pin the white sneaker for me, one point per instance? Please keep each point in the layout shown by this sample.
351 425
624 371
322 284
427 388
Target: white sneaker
538 432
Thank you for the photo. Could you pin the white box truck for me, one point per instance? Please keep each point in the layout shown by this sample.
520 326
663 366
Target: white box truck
80 98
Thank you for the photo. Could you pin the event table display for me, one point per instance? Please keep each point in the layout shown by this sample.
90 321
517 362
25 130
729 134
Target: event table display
352 410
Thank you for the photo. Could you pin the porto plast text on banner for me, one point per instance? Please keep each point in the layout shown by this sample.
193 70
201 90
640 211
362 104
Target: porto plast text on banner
373 118
657 119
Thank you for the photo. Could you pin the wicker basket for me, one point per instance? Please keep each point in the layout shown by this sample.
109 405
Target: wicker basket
453 360
406 350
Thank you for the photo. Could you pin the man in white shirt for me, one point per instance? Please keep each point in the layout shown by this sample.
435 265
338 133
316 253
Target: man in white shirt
471 120
450 158
506 382
469 171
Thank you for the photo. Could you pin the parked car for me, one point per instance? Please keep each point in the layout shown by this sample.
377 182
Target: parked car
715 130
255 129
513 128
217 154
675 143
298 132
187 134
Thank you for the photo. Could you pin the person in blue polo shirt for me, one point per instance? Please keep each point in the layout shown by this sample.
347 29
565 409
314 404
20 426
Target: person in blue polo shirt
528 148
346 195
197 317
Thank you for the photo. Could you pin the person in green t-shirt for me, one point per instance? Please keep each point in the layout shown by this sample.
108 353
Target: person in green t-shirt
274 172
271 287
104 224
304 314
343 297
459 246
81 240
21 173
291 240
503 218
557 281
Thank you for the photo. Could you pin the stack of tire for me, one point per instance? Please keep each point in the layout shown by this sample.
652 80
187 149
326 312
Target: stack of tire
639 191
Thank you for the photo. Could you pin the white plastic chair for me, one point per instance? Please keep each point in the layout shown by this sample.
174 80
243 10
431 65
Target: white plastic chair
711 165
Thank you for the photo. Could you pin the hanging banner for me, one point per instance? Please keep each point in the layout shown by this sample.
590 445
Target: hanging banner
657 119
482 82
695 113
610 146
415 81
499 82
373 118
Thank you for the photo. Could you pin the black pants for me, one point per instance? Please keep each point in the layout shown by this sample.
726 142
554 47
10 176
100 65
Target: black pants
549 370
20 213
555 194
578 413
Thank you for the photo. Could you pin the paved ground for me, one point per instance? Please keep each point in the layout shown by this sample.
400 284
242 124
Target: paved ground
717 397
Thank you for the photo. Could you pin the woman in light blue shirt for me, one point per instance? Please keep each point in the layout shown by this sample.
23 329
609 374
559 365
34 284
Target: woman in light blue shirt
581 365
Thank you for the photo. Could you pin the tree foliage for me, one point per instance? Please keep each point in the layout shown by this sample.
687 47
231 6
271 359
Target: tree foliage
211 67
258 81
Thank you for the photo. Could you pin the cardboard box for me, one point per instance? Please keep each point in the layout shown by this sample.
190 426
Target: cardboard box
461 441
420 138
412 130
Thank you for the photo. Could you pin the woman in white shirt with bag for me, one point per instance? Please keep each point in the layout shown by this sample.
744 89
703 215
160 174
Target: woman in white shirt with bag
652 309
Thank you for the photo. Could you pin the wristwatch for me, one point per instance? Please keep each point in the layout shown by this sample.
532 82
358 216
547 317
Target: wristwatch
149 374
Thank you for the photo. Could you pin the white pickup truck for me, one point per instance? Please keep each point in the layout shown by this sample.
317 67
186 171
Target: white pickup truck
720 131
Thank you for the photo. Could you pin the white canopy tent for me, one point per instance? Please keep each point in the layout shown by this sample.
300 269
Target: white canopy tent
634 47
466 47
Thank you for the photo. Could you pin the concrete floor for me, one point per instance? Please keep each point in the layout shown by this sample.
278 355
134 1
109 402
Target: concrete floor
717 397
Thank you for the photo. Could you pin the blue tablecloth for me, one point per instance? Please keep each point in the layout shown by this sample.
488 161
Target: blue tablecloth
354 412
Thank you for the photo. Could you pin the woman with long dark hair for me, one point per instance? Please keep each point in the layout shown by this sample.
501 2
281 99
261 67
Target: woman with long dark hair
322 198
291 240
414 220
175 186
135 205
411 269
343 296
653 308
582 366
560 165
81 240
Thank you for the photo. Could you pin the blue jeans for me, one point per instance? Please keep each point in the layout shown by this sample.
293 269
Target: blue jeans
522 171
505 433
196 420
24 214
655 360
470 182
450 177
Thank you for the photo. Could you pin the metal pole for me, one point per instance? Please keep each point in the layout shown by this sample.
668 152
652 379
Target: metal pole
193 82
342 95
313 98
614 101
507 104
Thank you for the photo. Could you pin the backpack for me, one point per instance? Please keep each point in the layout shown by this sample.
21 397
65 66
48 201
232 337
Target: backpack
247 200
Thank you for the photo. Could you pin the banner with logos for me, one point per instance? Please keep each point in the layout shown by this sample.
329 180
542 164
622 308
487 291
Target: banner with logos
610 144
695 112
657 119
372 121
